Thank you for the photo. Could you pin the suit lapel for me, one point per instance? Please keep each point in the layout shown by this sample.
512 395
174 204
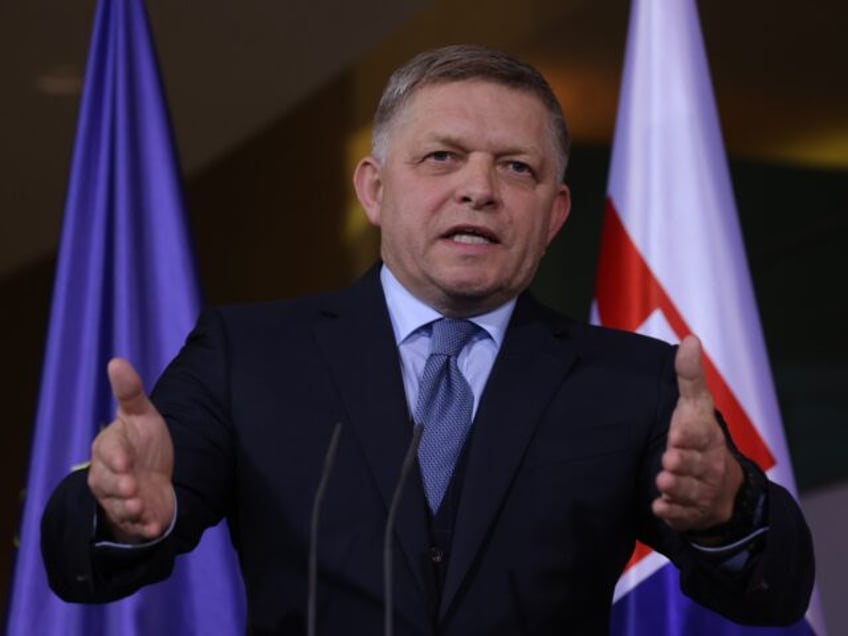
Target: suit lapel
531 365
358 344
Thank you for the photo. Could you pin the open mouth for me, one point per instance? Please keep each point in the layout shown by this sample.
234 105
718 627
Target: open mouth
471 236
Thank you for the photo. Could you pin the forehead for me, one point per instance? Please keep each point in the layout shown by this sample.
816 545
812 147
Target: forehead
474 107
472 95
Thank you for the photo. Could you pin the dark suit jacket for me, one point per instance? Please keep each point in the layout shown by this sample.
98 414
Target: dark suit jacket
558 481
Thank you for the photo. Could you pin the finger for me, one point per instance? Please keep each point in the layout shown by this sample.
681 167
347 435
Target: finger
685 462
127 510
106 484
691 380
113 449
127 388
692 430
693 423
144 530
127 514
133 519
681 490
678 516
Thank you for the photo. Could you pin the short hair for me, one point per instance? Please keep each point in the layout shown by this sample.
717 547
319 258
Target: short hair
458 63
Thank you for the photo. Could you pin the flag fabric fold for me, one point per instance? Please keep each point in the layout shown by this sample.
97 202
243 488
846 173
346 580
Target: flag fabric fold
125 285
672 262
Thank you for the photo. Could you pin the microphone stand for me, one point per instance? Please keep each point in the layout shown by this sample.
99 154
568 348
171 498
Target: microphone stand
406 467
329 459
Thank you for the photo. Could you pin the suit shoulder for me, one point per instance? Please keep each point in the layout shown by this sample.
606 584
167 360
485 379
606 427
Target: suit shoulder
604 338
276 313
364 295
609 347
595 337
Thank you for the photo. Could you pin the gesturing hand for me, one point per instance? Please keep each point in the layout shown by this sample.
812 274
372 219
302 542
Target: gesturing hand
699 477
132 461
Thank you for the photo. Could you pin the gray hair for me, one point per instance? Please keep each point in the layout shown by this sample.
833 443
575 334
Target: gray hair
458 63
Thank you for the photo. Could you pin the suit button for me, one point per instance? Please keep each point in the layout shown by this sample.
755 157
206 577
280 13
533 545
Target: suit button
436 554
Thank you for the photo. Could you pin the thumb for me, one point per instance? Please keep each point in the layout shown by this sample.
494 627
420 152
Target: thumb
127 388
691 380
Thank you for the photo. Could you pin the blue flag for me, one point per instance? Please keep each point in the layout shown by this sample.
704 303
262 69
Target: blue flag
125 286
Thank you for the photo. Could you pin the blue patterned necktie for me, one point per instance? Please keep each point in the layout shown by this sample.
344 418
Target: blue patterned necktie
445 404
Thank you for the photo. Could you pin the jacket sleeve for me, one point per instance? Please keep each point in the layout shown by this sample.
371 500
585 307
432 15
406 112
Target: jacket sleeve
191 395
77 571
774 585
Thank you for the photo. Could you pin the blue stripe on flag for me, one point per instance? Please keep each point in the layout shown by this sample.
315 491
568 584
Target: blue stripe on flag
636 613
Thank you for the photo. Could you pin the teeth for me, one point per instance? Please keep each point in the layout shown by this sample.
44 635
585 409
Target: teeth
471 239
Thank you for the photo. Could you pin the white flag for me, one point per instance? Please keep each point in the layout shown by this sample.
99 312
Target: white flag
673 262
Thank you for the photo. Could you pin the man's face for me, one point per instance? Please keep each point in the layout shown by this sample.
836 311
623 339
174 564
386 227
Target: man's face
468 195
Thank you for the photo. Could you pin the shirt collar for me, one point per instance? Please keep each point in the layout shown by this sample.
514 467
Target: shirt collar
408 313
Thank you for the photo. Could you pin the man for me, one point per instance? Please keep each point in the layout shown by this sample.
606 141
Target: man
566 442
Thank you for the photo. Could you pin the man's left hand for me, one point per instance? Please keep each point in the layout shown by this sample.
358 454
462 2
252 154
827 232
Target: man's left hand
700 478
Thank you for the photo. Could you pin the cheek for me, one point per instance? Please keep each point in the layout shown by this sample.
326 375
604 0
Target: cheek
532 229
414 214
400 234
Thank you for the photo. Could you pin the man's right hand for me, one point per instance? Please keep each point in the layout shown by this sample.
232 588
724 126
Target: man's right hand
132 462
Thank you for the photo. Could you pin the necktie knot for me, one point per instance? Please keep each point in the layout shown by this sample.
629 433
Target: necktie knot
451 335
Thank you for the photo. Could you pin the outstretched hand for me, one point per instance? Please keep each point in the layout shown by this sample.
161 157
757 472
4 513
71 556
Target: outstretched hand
132 462
699 477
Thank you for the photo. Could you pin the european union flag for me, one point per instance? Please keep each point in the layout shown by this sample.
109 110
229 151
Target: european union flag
125 286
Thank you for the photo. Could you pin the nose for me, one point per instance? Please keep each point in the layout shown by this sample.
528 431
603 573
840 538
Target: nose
477 187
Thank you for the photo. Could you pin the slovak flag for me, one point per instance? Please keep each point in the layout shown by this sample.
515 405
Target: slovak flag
672 262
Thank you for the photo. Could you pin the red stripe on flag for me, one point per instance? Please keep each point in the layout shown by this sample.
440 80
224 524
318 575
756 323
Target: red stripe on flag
639 553
627 293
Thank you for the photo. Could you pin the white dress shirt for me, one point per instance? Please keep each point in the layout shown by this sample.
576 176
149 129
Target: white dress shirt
411 320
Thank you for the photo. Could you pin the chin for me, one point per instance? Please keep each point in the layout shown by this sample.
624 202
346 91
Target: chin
470 299
469 286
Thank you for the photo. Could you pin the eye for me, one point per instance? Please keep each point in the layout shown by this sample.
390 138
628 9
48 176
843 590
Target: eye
519 167
440 156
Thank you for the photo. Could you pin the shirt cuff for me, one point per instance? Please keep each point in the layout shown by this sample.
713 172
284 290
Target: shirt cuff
734 556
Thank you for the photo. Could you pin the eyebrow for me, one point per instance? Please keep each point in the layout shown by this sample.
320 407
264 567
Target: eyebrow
454 141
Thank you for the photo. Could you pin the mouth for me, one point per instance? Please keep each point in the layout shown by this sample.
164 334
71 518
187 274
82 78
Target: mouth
471 235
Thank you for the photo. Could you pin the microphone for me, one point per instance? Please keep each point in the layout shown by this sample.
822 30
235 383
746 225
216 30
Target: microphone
408 461
329 458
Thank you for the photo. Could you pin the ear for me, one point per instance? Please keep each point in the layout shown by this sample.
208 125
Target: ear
368 183
560 210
